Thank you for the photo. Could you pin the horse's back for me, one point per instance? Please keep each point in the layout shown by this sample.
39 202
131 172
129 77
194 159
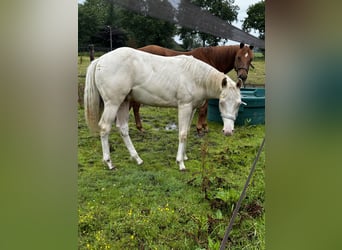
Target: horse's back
127 66
148 78
125 62
136 62
139 62
154 49
129 55
119 54
199 53
158 50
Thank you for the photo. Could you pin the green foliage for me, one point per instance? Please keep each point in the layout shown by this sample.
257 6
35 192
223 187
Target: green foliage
145 30
91 16
134 30
87 24
255 19
155 206
128 28
225 10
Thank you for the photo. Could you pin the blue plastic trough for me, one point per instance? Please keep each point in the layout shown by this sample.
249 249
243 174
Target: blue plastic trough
253 113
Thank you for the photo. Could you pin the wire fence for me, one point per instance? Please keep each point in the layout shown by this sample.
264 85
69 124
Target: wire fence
186 14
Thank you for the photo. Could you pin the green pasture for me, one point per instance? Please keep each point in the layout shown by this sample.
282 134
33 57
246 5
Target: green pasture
155 206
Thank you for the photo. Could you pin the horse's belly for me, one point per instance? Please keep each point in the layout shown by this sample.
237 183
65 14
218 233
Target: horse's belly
152 99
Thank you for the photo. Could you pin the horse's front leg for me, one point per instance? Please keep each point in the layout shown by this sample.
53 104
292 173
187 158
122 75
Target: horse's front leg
185 114
189 125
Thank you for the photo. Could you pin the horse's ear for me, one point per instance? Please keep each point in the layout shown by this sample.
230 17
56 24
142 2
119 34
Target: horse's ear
224 82
239 83
251 46
242 45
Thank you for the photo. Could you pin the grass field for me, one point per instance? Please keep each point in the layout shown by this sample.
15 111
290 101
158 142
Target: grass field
155 206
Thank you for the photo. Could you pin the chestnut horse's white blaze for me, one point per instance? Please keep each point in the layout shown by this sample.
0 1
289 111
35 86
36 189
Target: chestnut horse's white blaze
182 81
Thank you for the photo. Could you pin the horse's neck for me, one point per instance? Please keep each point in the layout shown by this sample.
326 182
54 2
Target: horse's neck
229 58
220 57
213 84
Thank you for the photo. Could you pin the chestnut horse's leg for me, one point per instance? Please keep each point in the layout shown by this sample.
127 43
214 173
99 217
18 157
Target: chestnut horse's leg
122 123
202 126
136 107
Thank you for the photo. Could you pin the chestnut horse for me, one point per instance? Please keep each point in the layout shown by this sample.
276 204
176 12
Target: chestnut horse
223 58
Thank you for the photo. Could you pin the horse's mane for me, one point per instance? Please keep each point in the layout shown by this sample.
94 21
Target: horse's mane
206 75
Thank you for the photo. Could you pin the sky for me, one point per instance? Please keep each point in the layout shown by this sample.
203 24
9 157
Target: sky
242 14
243 4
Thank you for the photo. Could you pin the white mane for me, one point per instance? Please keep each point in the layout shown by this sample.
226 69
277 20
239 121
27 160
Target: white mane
206 75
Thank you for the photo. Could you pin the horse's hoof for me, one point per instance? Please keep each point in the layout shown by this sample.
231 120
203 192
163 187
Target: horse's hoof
182 168
109 164
200 134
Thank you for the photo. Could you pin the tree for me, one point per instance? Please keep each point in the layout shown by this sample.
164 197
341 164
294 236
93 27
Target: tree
143 30
128 29
91 16
224 9
87 24
190 38
255 19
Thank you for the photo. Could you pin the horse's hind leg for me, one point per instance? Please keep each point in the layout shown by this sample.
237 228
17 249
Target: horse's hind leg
122 123
105 125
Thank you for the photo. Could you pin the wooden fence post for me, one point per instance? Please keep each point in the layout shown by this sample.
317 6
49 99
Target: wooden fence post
91 52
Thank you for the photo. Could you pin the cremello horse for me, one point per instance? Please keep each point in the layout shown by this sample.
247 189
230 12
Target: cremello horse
126 74
222 58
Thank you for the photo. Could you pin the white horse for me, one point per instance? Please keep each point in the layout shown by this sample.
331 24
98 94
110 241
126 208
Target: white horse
182 81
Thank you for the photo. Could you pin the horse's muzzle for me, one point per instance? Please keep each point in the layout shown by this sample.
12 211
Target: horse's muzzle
228 132
243 77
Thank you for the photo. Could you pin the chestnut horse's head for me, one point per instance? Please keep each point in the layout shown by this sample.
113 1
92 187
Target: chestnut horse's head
243 60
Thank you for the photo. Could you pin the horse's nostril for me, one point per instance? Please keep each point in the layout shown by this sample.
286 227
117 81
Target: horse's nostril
227 132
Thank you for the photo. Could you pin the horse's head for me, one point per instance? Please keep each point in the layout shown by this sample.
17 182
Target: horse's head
243 60
229 103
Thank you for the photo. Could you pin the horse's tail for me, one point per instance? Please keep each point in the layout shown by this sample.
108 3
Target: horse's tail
92 99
